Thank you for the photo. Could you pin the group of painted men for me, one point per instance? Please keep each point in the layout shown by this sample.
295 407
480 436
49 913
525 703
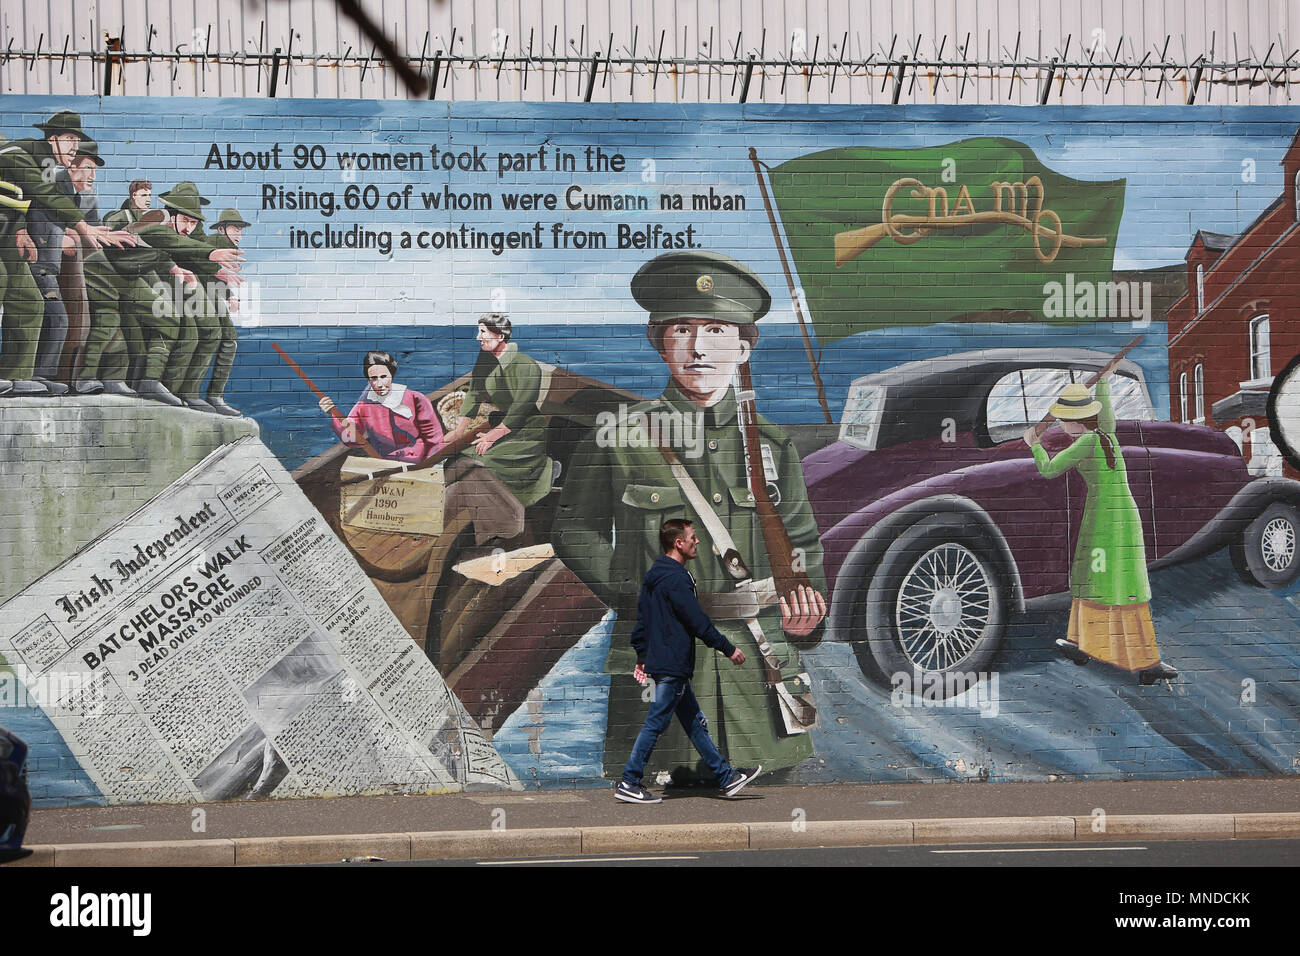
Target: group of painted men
137 304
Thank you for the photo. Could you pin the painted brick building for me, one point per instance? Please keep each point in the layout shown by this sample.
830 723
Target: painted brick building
1236 327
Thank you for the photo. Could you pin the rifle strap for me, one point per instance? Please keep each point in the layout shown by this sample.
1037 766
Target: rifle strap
732 563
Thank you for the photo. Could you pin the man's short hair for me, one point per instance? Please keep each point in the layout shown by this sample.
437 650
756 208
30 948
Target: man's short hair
137 185
655 332
672 530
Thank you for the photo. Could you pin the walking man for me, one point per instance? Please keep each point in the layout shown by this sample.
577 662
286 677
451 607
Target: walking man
669 619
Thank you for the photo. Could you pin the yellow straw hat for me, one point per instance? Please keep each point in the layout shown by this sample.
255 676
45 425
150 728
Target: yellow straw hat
1075 404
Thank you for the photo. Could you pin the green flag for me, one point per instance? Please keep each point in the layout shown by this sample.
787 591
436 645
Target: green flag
893 237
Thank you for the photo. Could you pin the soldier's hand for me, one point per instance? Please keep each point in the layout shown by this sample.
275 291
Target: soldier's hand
70 243
738 657
326 404
230 258
122 238
233 279
639 674
188 279
96 237
232 305
802 612
26 248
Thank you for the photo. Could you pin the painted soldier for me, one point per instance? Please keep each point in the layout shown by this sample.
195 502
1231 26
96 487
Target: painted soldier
227 233
53 242
128 293
622 487
217 269
139 197
30 167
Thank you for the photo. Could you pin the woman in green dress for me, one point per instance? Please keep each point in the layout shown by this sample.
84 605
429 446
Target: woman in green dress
1110 617
513 449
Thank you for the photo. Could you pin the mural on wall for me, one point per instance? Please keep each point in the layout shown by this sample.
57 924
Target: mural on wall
909 381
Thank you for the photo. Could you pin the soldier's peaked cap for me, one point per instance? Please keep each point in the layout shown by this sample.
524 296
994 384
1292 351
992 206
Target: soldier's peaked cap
700 285
64 121
184 198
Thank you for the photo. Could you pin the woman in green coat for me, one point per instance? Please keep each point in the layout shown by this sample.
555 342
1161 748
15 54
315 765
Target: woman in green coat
1110 617
513 449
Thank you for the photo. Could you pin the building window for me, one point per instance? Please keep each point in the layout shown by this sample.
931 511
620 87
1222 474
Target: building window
1198 381
1182 397
1261 363
1200 288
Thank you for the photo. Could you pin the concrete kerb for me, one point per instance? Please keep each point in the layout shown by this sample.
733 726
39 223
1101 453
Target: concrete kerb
649 837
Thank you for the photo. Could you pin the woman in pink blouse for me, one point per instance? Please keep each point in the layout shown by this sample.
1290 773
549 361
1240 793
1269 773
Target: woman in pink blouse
399 422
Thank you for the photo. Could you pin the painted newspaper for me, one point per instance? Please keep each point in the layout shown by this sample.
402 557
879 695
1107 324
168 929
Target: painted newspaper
222 643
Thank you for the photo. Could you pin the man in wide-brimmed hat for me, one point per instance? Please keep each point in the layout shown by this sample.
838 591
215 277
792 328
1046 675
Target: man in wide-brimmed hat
227 233
218 270
30 168
53 243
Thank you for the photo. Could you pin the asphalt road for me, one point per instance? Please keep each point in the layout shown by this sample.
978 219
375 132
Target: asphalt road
1155 853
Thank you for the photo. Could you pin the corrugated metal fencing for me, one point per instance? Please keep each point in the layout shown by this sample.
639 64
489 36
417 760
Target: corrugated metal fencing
924 51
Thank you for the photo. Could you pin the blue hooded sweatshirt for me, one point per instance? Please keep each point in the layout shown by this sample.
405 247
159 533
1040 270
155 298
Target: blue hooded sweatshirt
668 619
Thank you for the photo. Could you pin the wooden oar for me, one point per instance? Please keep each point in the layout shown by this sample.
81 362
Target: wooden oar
337 415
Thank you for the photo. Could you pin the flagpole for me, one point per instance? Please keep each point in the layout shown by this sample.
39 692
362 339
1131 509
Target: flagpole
789 278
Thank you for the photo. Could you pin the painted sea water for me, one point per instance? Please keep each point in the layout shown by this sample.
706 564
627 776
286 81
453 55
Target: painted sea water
429 356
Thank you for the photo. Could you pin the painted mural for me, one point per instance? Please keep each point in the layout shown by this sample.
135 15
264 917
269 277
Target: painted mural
989 451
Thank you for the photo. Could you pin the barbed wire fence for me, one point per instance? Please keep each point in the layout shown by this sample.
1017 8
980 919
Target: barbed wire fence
902 70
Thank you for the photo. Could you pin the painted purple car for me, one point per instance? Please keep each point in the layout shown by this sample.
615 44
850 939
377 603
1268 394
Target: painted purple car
937 525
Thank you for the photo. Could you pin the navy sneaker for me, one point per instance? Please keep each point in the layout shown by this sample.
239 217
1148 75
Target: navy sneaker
635 793
738 779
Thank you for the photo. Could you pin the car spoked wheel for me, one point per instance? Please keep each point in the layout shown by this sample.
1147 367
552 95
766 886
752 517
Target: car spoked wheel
943 607
1267 554
1277 544
934 605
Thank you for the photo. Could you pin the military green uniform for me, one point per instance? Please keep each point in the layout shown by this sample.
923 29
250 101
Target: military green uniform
24 307
123 216
199 334
228 344
127 294
512 383
619 492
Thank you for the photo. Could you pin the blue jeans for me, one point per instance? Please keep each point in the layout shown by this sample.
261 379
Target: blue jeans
674 695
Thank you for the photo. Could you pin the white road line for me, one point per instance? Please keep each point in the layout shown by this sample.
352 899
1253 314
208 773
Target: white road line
586 859
1050 849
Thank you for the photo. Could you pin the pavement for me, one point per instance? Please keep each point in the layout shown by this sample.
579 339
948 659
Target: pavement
508 825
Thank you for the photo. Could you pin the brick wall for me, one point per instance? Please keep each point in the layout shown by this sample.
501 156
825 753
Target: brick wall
555 207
